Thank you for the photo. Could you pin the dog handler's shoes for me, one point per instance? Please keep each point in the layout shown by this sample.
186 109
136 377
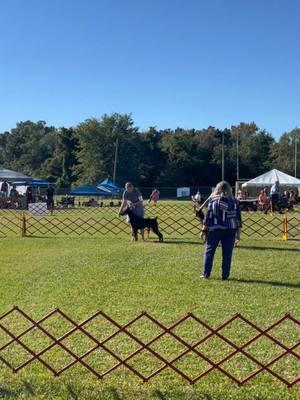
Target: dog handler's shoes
204 277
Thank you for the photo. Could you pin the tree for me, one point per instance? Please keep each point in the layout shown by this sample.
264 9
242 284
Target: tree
96 149
85 153
255 148
283 152
3 144
28 146
153 160
189 156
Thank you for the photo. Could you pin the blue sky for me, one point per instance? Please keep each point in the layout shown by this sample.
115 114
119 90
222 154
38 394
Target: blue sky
170 63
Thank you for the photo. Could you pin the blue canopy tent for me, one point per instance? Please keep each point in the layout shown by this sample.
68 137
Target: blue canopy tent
109 186
89 190
35 182
40 183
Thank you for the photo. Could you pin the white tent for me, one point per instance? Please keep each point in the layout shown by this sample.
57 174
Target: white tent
269 178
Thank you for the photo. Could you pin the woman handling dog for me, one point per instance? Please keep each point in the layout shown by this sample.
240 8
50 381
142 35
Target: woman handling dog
222 224
133 197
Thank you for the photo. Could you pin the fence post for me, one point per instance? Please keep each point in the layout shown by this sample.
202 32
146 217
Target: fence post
23 225
284 228
271 209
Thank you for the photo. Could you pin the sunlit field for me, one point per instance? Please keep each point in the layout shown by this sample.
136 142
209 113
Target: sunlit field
84 274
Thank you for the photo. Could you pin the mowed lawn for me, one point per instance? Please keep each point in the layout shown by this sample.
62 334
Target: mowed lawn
83 275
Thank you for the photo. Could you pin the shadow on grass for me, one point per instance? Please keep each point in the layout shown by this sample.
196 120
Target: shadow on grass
165 395
6 394
53 237
71 395
267 248
28 388
272 283
159 394
150 240
115 394
9 394
181 242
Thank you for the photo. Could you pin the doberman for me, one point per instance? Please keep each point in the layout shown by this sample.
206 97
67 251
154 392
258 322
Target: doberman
142 223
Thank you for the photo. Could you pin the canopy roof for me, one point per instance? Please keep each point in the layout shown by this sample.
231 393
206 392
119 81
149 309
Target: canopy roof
35 182
11 176
88 190
269 178
108 185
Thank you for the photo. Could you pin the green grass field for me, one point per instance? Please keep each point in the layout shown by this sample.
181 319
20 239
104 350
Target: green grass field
83 275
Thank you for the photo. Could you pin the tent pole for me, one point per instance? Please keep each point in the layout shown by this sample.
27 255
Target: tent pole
223 157
296 143
237 158
116 160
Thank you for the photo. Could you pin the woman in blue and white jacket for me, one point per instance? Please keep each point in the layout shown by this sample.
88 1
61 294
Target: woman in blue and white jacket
222 224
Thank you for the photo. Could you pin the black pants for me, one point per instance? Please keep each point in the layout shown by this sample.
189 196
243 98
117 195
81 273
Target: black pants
275 201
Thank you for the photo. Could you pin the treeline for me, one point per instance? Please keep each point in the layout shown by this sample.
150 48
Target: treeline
85 153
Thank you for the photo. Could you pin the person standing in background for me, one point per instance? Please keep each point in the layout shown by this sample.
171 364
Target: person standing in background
29 196
292 199
263 201
14 195
197 198
275 195
4 188
50 197
154 196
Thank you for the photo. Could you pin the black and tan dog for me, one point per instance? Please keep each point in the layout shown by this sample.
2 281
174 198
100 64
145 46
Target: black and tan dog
142 223
199 214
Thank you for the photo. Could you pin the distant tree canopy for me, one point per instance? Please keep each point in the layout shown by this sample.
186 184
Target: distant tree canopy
85 153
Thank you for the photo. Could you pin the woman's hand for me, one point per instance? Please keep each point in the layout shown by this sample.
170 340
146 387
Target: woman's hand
203 235
238 237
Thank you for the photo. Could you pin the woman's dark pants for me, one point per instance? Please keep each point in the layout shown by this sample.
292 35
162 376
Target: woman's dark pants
227 238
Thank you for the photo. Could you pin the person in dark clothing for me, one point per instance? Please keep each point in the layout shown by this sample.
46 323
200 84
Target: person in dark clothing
50 197
4 188
275 192
222 224
29 195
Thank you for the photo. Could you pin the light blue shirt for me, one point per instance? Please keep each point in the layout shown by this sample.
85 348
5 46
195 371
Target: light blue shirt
274 189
